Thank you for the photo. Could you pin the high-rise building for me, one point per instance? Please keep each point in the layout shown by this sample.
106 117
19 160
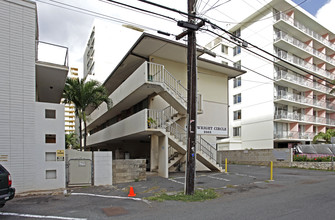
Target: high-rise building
69 110
102 53
286 100
31 117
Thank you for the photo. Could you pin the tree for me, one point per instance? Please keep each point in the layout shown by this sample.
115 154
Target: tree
84 94
325 136
71 141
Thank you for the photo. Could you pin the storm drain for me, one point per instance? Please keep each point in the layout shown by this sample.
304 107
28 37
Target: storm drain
112 211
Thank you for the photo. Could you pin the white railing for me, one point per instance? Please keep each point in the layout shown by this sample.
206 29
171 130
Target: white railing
281 94
294 116
293 135
158 73
161 119
60 53
280 35
303 28
301 80
297 60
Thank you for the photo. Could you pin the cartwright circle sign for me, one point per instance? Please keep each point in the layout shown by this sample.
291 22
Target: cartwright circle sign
213 130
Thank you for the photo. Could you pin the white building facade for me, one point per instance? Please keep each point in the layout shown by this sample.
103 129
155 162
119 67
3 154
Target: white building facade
31 118
148 117
102 53
277 105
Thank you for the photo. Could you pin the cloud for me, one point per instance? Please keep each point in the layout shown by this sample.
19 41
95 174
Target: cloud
326 15
64 25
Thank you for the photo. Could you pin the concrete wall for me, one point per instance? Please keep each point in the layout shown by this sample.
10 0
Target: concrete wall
314 165
103 168
255 156
125 171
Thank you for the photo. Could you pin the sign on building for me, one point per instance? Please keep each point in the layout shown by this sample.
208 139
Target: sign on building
60 155
212 130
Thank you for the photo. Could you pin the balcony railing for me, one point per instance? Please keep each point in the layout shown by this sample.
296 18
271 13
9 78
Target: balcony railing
303 28
297 60
52 53
301 80
280 35
293 135
294 116
281 94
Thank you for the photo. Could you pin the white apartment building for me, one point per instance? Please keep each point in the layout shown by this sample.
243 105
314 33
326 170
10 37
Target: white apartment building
148 118
102 53
277 105
69 109
31 116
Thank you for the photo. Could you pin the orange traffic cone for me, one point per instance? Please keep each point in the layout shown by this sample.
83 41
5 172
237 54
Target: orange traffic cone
131 192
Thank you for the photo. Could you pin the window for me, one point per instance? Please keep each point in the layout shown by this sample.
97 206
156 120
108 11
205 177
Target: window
224 63
237 50
237 98
50 156
50 174
237 64
224 49
237 82
237 115
49 113
237 132
50 138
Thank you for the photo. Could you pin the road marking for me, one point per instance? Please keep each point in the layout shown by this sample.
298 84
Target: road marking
39 216
239 174
218 178
258 182
176 181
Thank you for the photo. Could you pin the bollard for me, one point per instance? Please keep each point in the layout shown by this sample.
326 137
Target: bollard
225 166
271 172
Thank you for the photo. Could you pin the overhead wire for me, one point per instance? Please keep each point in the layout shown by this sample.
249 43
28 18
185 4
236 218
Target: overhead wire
215 26
99 15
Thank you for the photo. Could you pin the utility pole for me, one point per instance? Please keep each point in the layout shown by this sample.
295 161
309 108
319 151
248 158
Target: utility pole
191 28
191 101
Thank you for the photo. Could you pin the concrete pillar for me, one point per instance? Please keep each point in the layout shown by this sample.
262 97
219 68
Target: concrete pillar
154 148
163 169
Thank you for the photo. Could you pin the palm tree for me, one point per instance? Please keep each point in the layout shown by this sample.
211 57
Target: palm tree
325 136
84 94
71 141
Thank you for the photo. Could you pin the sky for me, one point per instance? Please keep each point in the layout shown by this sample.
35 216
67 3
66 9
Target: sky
69 22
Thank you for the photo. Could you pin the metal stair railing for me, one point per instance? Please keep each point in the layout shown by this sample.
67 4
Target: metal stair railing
206 148
178 132
161 117
158 73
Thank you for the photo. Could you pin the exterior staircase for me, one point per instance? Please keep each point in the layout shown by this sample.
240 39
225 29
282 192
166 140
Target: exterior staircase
176 95
177 138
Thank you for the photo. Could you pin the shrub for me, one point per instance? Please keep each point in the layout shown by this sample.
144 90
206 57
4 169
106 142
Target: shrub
303 158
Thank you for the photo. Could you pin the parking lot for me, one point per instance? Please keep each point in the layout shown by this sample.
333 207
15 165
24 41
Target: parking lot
243 185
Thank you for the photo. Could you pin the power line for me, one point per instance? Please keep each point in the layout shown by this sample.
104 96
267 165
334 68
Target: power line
307 79
99 15
240 40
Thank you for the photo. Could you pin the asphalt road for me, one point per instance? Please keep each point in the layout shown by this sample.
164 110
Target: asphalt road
245 193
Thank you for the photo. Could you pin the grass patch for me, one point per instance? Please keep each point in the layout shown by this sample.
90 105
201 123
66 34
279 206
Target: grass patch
198 196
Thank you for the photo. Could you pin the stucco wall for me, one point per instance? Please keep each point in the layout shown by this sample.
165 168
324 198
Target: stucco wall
251 156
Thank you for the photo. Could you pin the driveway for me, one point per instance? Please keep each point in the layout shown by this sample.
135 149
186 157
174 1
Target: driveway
245 193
